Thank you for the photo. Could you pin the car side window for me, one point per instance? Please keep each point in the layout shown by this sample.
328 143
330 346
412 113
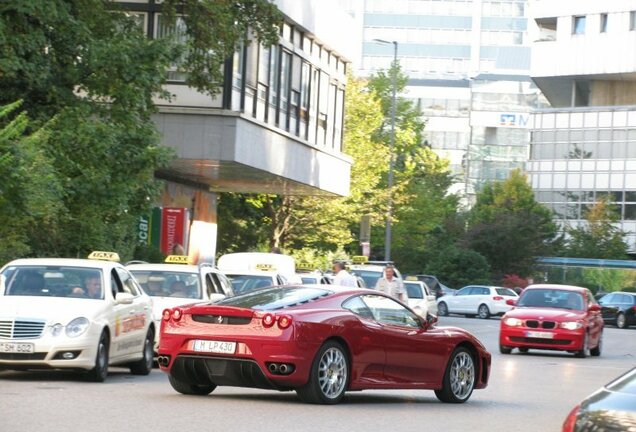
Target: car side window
115 283
210 284
358 307
607 299
625 299
128 283
464 291
225 284
388 311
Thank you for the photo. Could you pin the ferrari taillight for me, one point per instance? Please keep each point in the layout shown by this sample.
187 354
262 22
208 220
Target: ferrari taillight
570 420
284 321
177 314
268 320
497 298
166 314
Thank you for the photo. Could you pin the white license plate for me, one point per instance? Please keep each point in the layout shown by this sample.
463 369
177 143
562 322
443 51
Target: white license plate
15 347
210 346
540 335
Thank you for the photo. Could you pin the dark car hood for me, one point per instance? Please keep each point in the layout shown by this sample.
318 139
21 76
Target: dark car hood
555 314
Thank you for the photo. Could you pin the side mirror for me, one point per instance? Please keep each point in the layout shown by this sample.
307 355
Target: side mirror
594 308
215 297
124 298
430 321
511 302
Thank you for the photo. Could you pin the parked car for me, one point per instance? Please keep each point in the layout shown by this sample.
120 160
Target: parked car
249 271
320 341
480 300
553 317
74 314
610 408
619 308
176 282
420 298
436 287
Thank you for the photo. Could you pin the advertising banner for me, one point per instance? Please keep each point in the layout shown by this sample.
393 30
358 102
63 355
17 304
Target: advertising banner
172 228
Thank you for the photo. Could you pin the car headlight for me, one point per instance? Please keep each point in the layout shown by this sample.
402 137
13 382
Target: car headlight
571 325
77 327
513 322
56 329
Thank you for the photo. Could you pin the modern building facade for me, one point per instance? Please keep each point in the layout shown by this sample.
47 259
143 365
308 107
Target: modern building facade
584 147
468 63
275 126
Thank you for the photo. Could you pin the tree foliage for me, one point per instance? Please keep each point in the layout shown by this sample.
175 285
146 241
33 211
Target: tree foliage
509 227
88 74
459 267
600 237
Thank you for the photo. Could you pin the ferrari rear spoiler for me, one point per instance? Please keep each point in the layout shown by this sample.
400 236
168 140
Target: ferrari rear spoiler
214 309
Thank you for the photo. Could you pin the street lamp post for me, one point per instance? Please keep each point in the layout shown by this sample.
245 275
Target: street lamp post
387 234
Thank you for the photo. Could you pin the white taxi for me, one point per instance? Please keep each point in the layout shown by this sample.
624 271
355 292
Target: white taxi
81 314
176 283
249 271
419 296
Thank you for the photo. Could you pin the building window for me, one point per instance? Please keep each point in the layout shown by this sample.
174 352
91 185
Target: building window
603 23
632 20
578 25
176 30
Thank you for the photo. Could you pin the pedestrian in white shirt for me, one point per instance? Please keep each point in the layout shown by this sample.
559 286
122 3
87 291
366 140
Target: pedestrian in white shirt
391 285
343 277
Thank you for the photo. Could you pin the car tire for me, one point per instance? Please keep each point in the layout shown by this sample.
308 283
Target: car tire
100 371
596 351
442 309
585 349
329 376
524 349
621 321
190 389
459 378
144 365
483 312
504 349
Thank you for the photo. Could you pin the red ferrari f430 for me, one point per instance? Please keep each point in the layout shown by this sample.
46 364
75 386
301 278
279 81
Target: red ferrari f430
320 341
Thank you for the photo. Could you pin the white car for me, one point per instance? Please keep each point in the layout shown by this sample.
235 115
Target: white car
312 278
249 271
176 283
419 298
370 273
480 300
74 313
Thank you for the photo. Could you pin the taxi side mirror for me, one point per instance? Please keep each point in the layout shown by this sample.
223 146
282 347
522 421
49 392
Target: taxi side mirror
511 302
124 298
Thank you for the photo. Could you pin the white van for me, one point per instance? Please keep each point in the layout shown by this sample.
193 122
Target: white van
249 271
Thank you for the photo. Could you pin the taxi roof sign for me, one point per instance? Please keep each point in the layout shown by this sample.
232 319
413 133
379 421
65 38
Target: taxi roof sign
177 259
411 278
358 259
265 267
104 256
305 266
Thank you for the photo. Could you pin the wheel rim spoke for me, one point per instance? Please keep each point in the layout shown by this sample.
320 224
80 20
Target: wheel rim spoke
462 375
332 373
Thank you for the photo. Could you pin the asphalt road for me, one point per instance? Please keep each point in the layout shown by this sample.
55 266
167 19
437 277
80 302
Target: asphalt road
527 392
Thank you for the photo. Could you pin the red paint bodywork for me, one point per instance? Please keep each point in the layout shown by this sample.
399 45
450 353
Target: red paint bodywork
563 339
380 356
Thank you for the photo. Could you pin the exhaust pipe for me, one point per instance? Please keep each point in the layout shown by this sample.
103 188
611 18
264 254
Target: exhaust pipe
163 360
284 369
273 368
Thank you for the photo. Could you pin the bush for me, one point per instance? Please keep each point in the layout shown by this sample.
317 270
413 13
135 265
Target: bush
459 267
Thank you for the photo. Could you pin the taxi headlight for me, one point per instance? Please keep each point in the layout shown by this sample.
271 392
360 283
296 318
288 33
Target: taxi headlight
56 329
77 327
513 322
571 325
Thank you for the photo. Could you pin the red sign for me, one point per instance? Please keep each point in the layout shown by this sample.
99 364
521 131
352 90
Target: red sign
172 228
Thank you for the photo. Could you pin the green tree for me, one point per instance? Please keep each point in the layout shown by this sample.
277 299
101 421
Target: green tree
459 267
509 227
600 237
90 74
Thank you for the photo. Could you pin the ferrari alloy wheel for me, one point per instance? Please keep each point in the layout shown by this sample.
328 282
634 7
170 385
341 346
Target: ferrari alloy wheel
442 309
329 376
459 378
144 365
483 312
621 322
190 389
100 371
596 351
585 349
504 349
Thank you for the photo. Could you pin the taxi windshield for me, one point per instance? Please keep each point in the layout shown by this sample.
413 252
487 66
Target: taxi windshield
54 281
160 283
243 284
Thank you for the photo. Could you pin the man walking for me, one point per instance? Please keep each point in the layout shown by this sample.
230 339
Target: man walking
391 285
343 277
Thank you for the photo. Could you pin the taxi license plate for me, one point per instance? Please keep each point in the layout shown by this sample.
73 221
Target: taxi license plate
13 347
218 347
540 335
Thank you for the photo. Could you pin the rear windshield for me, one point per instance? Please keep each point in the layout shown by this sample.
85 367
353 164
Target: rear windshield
506 292
276 298
242 284
413 290
54 281
159 283
553 298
